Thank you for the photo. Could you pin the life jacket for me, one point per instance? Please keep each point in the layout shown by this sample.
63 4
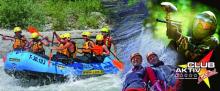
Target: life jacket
19 43
86 47
166 74
64 51
37 47
134 79
107 41
98 50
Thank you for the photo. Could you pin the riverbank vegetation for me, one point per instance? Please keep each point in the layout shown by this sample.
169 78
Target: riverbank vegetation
54 14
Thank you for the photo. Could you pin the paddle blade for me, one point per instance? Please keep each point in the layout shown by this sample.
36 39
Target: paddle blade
32 29
118 64
50 57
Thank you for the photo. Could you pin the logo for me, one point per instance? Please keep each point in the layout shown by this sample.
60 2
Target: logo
37 59
61 67
93 72
14 59
201 70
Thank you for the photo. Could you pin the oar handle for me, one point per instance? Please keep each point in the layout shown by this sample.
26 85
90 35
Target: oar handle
92 37
90 48
6 36
50 56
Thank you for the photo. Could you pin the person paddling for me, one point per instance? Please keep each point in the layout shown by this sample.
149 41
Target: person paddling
19 40
87 48
36 44
108 40
100 50
65 49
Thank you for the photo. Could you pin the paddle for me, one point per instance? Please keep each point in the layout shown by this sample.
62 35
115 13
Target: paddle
6 36
119 64
91 48
92 37
50 55
32 29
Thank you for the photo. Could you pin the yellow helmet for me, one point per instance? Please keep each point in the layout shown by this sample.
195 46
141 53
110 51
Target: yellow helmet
17 29
86 33
99 37
105 29
67 35
61 36
34 35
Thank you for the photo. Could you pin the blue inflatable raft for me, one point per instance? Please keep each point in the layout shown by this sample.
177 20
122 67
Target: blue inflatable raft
22 64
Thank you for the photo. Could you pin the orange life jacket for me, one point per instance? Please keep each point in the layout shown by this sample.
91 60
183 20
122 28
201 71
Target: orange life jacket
19 43
37 46
64 51
86 47
107 41
98 50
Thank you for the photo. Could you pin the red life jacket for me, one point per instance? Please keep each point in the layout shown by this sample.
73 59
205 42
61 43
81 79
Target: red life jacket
107 41
98 50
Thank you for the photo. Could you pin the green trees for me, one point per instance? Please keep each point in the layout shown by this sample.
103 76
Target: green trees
61 14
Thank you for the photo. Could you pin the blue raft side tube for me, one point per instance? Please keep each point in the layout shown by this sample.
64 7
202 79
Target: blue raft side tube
26 61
